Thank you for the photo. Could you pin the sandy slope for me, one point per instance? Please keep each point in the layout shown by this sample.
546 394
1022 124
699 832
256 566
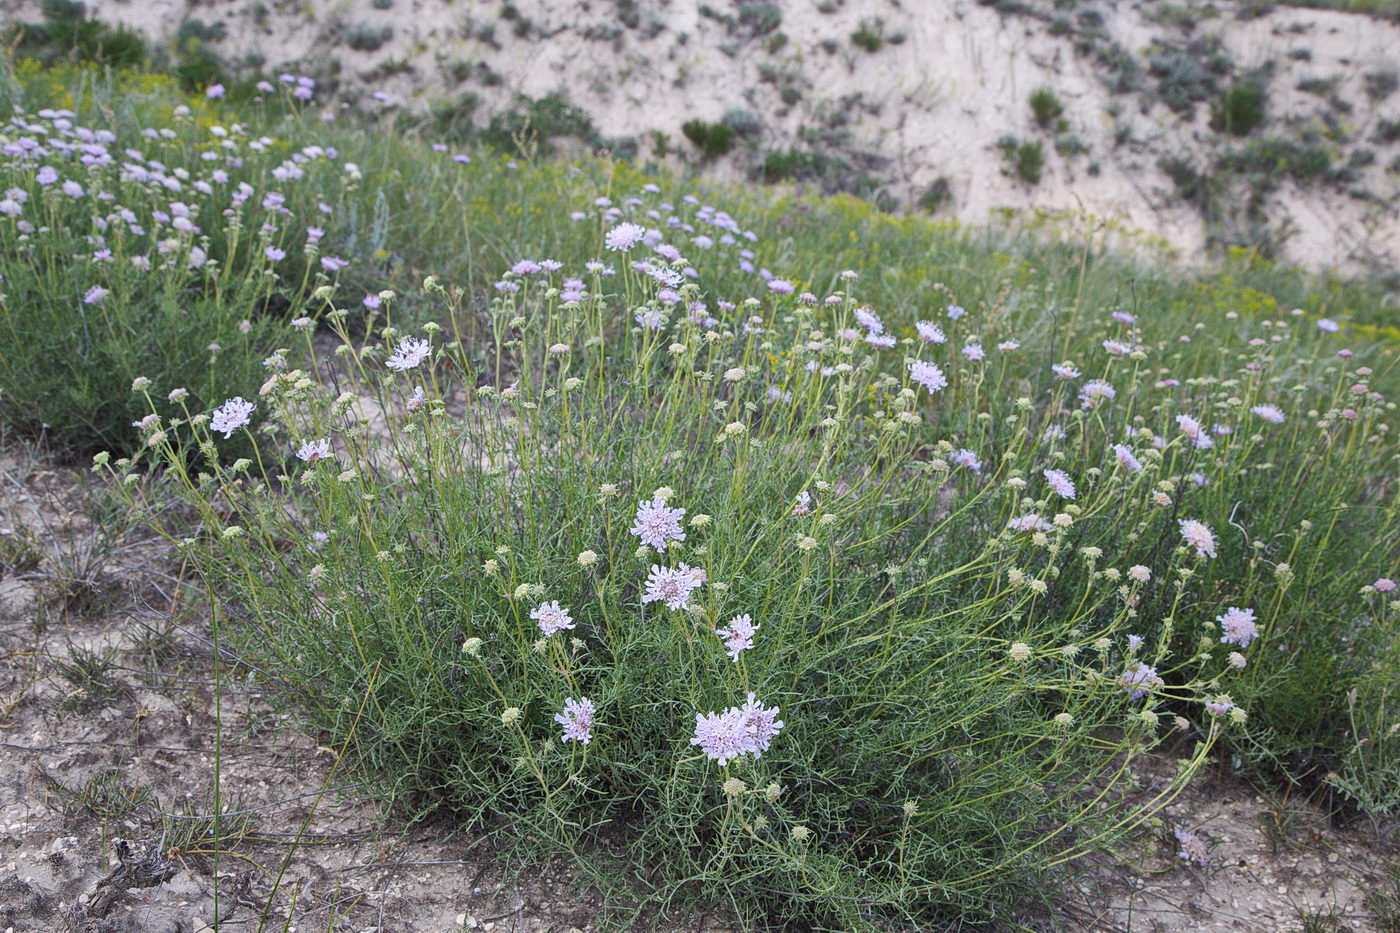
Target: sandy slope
929 104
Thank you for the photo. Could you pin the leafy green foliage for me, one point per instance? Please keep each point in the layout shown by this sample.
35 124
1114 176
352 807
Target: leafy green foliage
712 139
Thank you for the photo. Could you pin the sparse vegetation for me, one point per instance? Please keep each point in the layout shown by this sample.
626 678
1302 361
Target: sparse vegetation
1046 107
870 35
1240 109
712 139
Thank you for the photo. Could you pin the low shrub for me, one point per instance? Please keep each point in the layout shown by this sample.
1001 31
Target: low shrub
1046 107
712 139
1240 109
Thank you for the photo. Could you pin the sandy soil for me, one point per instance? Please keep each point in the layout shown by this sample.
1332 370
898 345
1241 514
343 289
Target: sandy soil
951 78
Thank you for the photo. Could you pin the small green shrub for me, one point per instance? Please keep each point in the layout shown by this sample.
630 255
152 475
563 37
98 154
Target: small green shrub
870 36
1024 159
1240 109
712 139
936 196
365 37
66 32
1279 156
535 123
761 18
1381 84
1046 106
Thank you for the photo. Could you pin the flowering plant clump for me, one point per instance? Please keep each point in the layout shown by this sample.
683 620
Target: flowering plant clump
821 609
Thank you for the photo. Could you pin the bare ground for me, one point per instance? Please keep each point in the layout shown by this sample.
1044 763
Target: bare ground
108 718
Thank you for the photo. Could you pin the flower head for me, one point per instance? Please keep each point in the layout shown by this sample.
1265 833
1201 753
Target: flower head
1239 626
738 636
672 585
1198 535
315 451
577 720
1270 413
927 375
552 617
409 354
1138 681
624 236
656 524
1060 483
232 415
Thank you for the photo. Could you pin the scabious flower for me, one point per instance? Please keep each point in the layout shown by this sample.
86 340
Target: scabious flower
1220 705
409 354
1094 392
738 635
1198 535
1125 456
930 332
552 617
1138 681
1270 413
577 720
232 415
1065 371
1328 325
656 524
1384 585
964 457
721 736
974 352
1194 432
1239 626
1029 522
315 451
1060 483
1193 847
672 585
95 294
803 504
927 375
1140 573
869 320
738 731
624 236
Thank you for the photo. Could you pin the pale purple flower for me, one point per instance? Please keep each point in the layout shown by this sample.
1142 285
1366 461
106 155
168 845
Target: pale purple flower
552 617
964 457
315 451
722 736
410 352
214 92
656 524
1384 585
1271 413
869 320
1117 347
1198 535
1220 705
333 263
1140 680
738 635
72 189
1060 483
624 236
884 341
1125 456
95 294
761 725
1094 391
1239 627
1123 317
672 586
974 352
232 415
955 312
1194 432
780 286
1029 522
927 375
1065 371
416 401
930 332
577 720
1193 847
1328 325
274 254
803 503
651 318
1134 643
